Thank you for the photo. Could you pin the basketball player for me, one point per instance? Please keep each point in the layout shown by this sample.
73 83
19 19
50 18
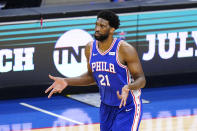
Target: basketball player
114 65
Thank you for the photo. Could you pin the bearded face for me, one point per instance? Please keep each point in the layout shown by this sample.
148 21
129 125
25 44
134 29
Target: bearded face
101 37
102 29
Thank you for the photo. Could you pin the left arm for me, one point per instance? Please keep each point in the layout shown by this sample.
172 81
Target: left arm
128 55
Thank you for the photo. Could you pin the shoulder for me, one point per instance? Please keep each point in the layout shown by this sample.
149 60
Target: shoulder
89 45
126 48
88 48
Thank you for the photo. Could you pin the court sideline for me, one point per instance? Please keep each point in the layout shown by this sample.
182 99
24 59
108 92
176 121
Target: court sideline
172 108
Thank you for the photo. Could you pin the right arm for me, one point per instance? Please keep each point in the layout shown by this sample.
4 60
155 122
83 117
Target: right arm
86 78
61 83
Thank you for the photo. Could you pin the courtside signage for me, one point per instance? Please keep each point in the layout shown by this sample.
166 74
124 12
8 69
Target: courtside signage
166 42
69 56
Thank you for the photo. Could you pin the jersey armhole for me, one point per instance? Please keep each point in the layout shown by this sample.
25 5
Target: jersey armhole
129 77
117 56
91 48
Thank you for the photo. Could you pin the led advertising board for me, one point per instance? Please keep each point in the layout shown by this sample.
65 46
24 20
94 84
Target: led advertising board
166 42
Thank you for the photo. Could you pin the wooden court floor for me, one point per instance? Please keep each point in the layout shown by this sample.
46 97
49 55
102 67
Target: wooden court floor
170 109
182 123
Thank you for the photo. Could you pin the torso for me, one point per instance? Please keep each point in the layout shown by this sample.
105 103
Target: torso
109 72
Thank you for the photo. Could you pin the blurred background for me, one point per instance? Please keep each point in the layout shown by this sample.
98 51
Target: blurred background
42 37
162 31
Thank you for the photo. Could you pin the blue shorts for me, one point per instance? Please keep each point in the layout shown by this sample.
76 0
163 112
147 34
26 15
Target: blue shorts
127 118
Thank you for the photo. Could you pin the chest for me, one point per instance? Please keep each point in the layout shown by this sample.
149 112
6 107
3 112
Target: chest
106 63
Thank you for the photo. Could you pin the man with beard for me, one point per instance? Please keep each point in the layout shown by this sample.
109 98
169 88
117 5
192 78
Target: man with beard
115 67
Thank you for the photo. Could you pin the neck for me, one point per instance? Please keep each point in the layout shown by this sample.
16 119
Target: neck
104 45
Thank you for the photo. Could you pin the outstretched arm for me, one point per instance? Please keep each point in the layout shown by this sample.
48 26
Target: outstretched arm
61 83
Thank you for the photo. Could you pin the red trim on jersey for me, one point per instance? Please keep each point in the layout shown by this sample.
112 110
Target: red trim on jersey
128 78
139 108
91 47
121 65
136 110
139 112
104 53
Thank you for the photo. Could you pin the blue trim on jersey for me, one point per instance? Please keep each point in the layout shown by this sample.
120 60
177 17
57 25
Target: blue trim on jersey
108 74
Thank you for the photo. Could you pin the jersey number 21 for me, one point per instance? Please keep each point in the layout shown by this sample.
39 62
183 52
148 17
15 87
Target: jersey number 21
104 80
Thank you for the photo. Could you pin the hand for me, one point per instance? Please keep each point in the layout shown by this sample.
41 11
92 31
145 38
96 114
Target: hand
123 96
57 87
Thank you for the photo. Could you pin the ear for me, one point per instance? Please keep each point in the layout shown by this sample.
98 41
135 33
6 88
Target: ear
112 29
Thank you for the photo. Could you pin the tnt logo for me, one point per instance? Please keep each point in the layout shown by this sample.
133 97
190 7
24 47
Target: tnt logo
68 56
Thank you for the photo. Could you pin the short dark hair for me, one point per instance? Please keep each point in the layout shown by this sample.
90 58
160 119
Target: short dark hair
111 17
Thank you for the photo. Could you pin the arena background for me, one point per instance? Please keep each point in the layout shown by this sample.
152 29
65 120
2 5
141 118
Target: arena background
170 25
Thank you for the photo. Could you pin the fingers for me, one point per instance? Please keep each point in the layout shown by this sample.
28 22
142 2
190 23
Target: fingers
51 93
59 91
125 101
120 97
51 88
121 103
48 89
52 77
118 94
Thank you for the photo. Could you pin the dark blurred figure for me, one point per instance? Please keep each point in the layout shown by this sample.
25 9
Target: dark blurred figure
2 4
12 4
